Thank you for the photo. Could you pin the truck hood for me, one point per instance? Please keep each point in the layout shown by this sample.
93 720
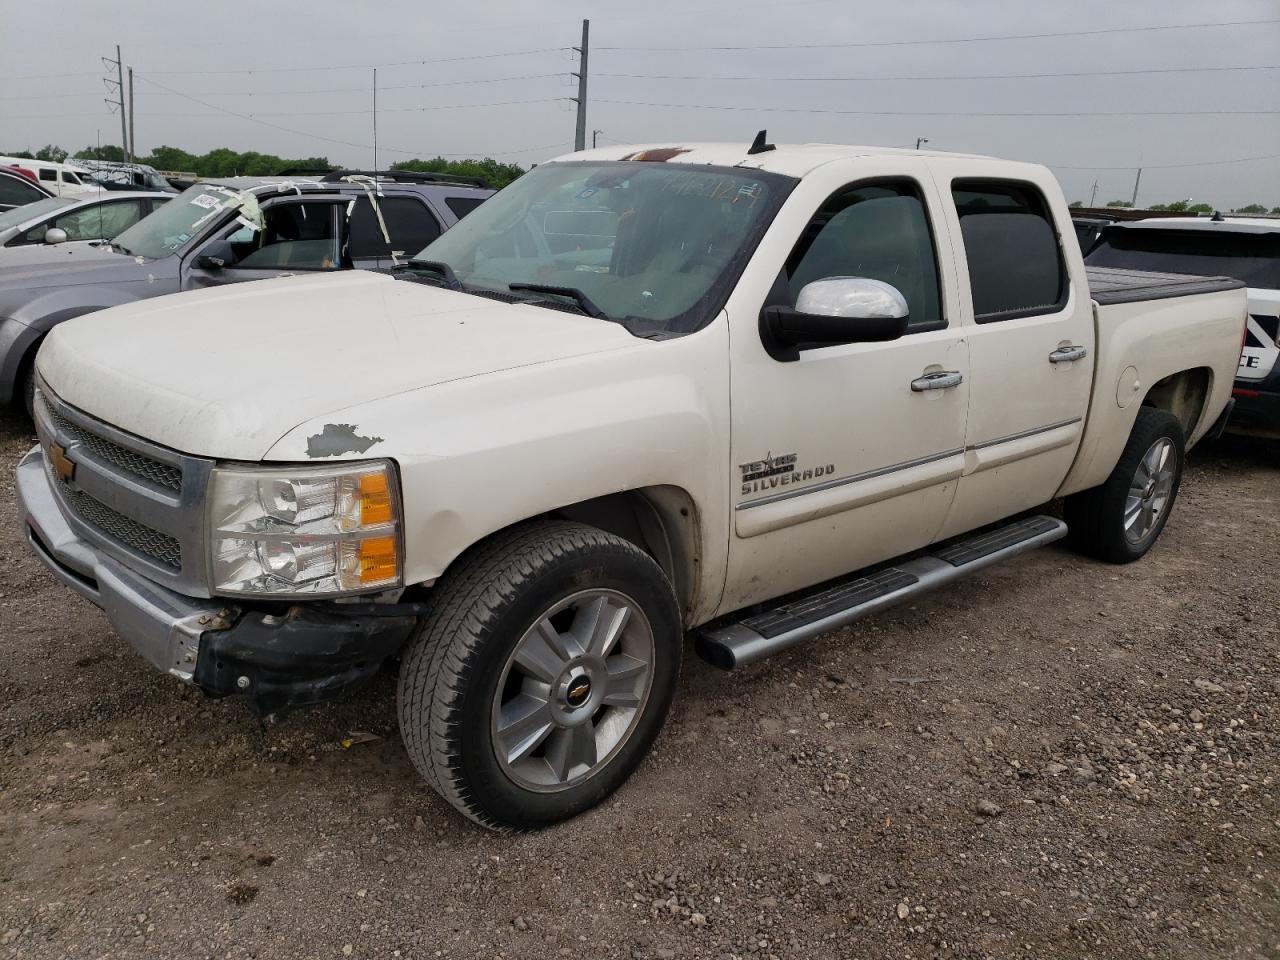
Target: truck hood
226 372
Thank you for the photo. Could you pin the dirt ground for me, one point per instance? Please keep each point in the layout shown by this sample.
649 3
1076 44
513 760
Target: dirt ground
1055 759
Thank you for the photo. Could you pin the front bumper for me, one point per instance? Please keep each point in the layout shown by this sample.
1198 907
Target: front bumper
278 656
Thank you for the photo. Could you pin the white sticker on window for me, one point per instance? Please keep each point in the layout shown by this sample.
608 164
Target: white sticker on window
206 201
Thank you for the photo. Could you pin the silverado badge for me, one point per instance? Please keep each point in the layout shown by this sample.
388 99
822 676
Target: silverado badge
774 471
63 466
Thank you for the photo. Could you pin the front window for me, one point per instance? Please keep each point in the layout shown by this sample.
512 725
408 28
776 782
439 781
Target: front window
1251 257
175 224
295 235
654 245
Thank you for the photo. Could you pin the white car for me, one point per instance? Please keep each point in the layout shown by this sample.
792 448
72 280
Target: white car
1245 248
60 179
66 219
742 392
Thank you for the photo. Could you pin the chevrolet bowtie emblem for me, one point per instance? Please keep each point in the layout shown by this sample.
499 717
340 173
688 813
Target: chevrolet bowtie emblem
63 466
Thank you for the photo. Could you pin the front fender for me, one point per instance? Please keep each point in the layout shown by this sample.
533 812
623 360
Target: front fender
17 340
477 455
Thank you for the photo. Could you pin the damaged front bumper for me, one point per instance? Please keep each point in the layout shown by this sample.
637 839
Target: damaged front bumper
278 655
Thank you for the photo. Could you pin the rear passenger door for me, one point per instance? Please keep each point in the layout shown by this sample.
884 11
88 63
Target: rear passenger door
1031 340
407 225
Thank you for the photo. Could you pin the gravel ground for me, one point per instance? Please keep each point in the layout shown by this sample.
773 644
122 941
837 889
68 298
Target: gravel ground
1055 759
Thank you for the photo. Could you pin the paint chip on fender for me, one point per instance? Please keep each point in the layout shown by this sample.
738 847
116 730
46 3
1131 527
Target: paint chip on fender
338 438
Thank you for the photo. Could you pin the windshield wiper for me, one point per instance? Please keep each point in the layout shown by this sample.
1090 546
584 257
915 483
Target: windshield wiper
125 250
585 303
437 266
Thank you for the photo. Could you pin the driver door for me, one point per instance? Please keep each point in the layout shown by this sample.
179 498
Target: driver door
297 235
843 457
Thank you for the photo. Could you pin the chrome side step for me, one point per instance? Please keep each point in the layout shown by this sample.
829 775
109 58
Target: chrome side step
760 635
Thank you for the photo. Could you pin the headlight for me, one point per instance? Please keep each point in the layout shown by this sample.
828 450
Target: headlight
294 531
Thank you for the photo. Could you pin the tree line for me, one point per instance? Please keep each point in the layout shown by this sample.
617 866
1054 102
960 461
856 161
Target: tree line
1183 206
225 162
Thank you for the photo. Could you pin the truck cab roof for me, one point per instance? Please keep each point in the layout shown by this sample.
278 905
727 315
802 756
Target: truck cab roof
792 160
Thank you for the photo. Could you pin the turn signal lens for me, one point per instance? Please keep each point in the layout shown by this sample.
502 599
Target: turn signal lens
375 499
378 561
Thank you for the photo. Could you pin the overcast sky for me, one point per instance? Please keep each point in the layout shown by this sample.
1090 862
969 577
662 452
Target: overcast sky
51 88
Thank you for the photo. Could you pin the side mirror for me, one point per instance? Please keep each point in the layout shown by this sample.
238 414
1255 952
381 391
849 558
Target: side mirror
213 264
833 311
55 235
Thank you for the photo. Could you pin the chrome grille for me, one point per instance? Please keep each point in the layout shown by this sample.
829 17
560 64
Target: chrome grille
160 547
141 466
136 501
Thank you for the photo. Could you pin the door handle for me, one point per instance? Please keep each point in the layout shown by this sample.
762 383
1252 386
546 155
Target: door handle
1068 354
942 380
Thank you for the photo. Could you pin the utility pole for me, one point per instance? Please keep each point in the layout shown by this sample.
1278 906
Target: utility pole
118 102
375 119
920 140
124 132
594 134
1136 180
1093 196
133 139
580 134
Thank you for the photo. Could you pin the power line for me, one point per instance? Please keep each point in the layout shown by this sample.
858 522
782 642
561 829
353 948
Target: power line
308 93
1170 166
907 43
51 76
946 113
363 66
437 106
979 76
316 136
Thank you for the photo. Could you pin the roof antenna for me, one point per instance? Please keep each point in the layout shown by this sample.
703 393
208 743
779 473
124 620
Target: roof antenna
759 146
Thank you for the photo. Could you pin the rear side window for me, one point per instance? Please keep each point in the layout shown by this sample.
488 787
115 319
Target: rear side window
1015 264
410 225
47 174
461 206
1251 257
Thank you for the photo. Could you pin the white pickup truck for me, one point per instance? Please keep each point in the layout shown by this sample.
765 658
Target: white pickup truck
744 392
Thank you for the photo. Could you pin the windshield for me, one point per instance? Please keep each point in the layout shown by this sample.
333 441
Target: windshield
30 211
1251 257
650 242
176 223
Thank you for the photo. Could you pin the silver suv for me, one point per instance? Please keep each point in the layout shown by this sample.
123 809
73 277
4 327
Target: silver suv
219 232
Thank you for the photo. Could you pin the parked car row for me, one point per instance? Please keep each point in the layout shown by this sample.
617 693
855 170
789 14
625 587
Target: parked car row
214 233
749 393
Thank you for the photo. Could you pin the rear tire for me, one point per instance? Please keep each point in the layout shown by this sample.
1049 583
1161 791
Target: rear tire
1121 520
541 674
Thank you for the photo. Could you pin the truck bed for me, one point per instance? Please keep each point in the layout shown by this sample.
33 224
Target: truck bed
1112 285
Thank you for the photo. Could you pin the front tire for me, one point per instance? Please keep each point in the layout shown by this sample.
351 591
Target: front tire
1121 520
541 675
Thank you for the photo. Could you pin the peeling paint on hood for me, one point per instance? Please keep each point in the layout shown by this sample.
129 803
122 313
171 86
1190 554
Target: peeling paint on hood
226 372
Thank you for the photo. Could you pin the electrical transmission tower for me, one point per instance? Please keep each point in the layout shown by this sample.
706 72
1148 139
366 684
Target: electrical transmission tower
118 101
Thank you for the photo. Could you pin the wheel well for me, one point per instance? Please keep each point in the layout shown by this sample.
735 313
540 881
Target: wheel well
663 521
17 396
1182 394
